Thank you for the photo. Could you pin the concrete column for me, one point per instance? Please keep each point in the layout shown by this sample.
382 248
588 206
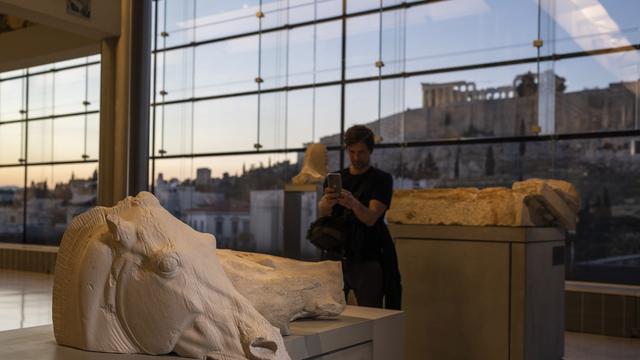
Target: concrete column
124 105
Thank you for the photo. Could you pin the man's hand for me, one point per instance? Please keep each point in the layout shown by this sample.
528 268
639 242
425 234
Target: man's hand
327 201
347 199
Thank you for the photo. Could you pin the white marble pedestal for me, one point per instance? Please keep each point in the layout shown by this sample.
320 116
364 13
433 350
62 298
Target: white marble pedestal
359 333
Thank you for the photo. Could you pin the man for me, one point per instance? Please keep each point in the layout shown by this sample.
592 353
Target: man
369 265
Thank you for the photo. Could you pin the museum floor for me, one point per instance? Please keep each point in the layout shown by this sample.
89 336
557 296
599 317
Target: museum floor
25 300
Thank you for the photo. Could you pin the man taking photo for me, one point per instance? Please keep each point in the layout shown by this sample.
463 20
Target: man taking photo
369 264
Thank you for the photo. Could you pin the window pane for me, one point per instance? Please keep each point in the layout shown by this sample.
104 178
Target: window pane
590 25
11 205
273 120
273 62
11 99
175 75
56 194
94 88
477 103
41 139
363 46
308 10
227 67
69 137
174 129
327 53
228 124
176 19
41 95
11 143
361 105
244 189
462 32
70 90
597 93
216 19
303 127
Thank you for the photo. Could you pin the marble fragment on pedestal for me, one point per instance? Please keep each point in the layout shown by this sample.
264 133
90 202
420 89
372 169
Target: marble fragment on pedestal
282 289
534 202
134 279
314 168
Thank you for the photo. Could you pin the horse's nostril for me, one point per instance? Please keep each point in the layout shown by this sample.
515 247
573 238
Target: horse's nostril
263 343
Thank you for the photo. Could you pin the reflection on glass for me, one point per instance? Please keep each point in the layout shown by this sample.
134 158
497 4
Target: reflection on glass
304 68
228 124
585 25
239 199
216 19
454 33
11 99
11 205
309 10
56 194
11 143
227 67
175 22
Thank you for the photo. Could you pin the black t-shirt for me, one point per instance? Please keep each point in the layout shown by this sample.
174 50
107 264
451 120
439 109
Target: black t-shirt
366 242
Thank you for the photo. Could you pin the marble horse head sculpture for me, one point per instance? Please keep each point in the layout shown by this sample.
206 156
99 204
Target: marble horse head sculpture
134 279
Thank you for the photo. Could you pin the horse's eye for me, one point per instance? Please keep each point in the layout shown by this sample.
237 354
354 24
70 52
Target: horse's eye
168 265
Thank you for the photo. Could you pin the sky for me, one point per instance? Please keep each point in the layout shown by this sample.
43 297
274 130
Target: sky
444 34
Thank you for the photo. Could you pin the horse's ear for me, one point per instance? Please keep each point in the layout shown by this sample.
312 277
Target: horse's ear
123 231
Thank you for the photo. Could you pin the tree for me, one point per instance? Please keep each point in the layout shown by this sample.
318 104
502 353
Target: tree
456 166
489 162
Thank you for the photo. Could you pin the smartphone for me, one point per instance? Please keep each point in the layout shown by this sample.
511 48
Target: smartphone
334 181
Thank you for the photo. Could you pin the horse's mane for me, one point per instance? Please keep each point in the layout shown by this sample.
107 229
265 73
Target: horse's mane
74 242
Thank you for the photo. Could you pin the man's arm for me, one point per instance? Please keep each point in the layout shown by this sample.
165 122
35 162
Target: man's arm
367 215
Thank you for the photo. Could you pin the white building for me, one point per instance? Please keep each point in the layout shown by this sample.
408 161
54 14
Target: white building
267 208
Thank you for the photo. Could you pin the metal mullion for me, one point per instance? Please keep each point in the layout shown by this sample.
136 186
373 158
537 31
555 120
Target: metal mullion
26 156
48 117
51 163
426 143
496 64
343 67
344 15
153 108
257 145
379 65
50 71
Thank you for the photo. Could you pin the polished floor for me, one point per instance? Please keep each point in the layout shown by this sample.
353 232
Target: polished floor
25 301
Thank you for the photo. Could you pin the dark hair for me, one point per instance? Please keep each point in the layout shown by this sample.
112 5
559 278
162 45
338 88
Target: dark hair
357 134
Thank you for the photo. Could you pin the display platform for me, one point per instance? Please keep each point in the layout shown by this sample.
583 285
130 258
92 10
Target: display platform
482 292
359 333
